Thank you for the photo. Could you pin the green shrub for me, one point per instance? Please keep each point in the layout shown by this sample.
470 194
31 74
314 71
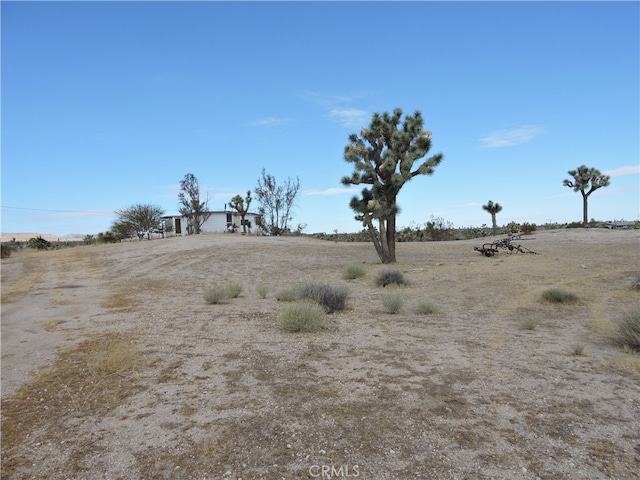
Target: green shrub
628 331
392 303
353 271
303 317
221 293
556 295
426 308
388 276
331 298
38 243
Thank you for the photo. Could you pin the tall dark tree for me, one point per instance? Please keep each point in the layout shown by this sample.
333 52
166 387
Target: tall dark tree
142 219
493 209
191 206
383 156
276 202
241 206
586 181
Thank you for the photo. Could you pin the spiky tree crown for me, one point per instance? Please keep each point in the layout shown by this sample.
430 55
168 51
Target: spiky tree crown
492 208
589 179
383 156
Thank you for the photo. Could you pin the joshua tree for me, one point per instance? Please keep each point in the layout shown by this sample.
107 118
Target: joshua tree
242 207
383 157
588 179
493 208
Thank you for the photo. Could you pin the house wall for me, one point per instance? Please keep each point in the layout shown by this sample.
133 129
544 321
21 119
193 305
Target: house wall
217 222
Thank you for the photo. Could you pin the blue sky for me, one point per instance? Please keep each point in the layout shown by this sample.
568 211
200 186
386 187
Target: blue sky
108 104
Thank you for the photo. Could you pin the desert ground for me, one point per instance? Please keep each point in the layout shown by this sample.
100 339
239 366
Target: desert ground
114 366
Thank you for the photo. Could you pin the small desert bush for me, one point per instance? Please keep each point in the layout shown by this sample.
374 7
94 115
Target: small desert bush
353 271
233 290
557 295
262 291
290 294
426 308
388 276
530 323
331 298
628 331
303 317
221 293
392 303
578 350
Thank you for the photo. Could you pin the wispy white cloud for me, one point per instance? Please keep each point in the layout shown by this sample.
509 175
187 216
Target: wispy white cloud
622 171
512 136
328 191
349 117
271 122
339 106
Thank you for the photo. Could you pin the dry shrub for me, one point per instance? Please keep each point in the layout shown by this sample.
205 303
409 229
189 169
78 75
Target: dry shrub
628 331
392 303
303 317
331 298
426 308
221 293
353 271
557 295
389 276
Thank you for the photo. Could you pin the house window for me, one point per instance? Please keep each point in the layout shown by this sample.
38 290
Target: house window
229 219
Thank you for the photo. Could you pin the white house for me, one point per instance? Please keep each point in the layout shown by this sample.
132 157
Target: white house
220 221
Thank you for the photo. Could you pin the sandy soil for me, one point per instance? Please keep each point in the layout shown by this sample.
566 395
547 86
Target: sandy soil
114 367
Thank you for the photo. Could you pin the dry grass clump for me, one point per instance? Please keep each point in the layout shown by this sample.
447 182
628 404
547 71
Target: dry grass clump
557 295
628 331
392 303
426 308
389 276
530 323
303 317
353 272
262 291
331 298
221 293
290 294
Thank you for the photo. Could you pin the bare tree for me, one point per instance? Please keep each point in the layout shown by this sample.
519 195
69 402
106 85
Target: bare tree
276 202
192 206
